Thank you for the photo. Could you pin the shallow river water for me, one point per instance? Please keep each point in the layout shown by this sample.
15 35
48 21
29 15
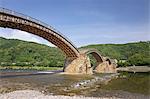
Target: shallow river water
58 84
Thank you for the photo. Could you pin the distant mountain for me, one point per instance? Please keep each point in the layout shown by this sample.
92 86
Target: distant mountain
22 53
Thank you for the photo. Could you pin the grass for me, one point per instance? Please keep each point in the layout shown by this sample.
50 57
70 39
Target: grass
31 68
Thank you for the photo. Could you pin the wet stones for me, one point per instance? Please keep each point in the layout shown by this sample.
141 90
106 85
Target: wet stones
88 83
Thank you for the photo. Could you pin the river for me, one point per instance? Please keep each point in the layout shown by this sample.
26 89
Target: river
51 82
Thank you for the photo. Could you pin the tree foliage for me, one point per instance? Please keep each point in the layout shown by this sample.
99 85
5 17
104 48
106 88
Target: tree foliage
21 53
17 52
127 54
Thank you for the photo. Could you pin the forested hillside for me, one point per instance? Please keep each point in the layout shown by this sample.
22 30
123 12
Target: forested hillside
17 52
127 54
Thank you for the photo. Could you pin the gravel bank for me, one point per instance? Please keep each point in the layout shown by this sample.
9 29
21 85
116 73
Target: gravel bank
31 94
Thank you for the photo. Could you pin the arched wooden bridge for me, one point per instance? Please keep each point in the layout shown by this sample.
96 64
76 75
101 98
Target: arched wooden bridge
14 20
76 61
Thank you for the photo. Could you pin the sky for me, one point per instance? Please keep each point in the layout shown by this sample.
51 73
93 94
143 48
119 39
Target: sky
85 22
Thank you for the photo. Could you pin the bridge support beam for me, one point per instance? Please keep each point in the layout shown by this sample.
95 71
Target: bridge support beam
80 65
105 67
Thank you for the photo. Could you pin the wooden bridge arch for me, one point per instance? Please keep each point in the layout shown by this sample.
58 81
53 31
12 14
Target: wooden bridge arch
14 20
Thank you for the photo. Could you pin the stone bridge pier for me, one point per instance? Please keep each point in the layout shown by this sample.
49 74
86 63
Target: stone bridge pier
105 67
80 65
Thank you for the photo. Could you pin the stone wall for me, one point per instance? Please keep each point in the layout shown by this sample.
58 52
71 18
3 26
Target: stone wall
80 65
105 67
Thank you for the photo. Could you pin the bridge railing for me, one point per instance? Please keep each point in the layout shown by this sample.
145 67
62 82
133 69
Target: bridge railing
11 12
25 17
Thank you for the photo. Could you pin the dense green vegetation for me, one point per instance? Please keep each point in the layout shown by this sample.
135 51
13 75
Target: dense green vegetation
16 52
20 53
127 54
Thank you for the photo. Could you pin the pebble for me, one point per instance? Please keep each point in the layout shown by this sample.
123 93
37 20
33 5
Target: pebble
104 80
31 94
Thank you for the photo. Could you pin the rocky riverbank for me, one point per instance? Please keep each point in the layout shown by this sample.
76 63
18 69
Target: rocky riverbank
31 94
56 86
90 83
135 69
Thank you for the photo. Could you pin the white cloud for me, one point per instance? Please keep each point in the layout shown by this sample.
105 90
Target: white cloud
21 35
24 36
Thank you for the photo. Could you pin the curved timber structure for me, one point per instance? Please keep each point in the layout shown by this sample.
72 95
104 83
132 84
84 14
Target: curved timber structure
93 52
14 20
76 61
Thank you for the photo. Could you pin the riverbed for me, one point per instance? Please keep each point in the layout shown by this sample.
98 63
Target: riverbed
127 85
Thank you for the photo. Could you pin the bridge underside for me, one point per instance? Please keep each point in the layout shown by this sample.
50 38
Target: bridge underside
15 22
